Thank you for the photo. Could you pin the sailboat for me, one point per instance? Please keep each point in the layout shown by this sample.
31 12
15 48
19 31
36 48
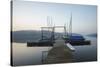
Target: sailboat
68 37
75 39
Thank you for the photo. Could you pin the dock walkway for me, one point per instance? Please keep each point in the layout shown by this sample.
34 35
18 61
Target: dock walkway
60 54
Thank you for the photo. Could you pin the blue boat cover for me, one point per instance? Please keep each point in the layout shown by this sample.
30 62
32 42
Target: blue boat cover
75 37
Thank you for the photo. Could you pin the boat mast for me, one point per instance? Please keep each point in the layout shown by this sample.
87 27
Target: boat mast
70 26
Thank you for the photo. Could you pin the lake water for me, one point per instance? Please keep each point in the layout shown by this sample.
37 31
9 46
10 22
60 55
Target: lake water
23 55
87 52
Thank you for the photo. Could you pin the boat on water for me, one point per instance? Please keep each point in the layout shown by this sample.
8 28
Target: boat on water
76 39
67 36
62 44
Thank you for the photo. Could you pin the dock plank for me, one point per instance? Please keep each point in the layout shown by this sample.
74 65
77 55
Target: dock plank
59 54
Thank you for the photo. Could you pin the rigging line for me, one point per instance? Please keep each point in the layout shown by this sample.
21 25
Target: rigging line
47 20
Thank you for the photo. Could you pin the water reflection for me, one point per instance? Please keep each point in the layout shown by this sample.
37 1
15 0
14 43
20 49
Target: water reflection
87 52
23 55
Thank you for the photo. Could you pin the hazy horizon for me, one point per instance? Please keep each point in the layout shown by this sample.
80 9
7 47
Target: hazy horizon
28 15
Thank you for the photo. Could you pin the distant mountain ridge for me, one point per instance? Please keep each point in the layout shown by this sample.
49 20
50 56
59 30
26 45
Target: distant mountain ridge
92 35
23 36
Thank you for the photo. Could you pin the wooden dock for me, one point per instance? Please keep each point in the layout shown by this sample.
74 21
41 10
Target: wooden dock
60 54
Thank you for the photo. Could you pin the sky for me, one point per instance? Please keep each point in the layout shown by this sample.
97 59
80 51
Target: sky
29 15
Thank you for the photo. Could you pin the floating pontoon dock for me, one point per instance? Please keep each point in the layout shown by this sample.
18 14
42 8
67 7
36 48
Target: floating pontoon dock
62 45
60 54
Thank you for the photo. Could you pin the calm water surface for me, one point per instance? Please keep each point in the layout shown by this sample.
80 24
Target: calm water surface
23 55
87 52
